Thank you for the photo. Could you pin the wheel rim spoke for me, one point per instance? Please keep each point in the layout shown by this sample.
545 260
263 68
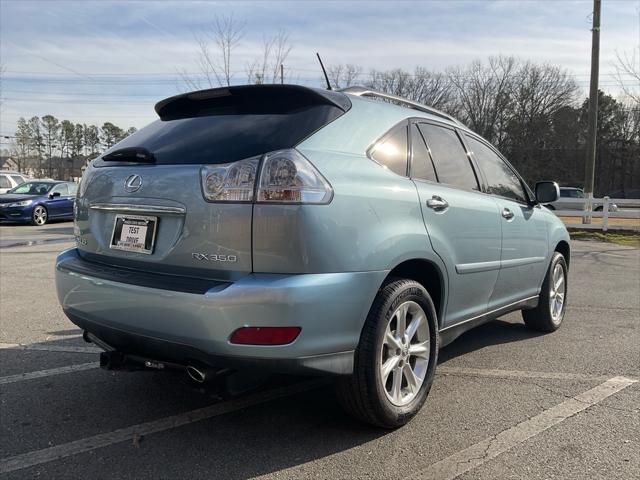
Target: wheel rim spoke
396 388
420 349
401 316
391 341
413 383
388 367
416 322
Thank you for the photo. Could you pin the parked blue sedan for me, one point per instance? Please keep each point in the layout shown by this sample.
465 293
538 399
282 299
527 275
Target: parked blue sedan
38 201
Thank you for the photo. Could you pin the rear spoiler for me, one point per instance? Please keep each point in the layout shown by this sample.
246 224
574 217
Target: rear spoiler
248 99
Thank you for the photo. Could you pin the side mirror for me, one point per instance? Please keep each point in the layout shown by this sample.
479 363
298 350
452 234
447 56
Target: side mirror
547 192
54 194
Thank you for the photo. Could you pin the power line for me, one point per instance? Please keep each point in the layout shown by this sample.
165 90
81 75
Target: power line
176 73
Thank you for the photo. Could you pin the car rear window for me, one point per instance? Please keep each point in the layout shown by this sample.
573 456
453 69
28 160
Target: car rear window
230 124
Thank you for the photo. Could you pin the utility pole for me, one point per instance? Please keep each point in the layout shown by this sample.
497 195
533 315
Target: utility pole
590 160
281 74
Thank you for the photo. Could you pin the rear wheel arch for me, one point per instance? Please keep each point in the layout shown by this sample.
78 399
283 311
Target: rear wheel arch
428 274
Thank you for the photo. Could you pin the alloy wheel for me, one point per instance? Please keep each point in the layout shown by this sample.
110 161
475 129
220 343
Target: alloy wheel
557 291
404 355
40 215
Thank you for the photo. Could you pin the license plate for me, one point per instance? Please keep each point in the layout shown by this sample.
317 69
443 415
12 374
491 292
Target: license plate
134 233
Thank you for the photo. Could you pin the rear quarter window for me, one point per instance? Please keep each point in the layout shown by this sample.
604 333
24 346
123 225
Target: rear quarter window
391 150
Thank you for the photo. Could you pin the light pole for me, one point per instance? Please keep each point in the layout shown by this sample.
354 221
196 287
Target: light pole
590 160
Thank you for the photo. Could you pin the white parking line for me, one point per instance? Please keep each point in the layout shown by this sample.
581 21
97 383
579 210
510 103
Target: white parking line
47 373
37 457
49 348
489 448
442 370
498 373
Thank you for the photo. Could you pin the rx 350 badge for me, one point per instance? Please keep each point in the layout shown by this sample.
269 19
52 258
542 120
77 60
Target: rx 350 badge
210 257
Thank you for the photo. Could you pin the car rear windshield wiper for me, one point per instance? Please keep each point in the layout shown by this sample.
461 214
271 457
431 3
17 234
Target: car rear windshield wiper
131 154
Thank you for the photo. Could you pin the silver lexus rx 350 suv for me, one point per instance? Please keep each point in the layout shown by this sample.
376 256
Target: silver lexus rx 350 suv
296 230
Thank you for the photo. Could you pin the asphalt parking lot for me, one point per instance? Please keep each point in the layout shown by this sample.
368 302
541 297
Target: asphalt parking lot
506 403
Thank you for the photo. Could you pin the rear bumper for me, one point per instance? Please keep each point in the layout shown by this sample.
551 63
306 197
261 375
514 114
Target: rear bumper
181 326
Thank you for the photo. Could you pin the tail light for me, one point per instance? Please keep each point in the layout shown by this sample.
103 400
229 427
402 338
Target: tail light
230 182
286 176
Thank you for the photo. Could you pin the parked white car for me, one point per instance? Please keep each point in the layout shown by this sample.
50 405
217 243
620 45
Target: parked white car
572 198
9 180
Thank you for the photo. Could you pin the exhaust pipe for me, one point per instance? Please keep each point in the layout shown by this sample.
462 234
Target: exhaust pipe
91 338
113 360
196 374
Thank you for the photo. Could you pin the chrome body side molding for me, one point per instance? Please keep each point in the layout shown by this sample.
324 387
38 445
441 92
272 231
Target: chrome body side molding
132 208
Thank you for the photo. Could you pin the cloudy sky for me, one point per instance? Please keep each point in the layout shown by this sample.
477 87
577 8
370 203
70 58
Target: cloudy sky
96 61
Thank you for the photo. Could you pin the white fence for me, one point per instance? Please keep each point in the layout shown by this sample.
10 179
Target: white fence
627 208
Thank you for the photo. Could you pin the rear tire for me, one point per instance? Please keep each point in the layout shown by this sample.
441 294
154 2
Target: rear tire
396 358
39 216
548 315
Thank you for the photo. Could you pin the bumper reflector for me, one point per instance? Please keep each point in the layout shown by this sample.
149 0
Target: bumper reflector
265 335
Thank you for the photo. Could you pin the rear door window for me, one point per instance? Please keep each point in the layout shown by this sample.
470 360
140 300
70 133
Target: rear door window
421 163
18 179
501 179
391 150
4 182
450 158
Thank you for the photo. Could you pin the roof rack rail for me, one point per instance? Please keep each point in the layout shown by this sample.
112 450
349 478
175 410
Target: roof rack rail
367 92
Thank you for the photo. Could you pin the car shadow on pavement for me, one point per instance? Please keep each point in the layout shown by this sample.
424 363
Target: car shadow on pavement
246 442
495 332
257 440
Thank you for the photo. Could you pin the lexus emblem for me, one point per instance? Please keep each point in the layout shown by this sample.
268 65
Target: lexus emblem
133 183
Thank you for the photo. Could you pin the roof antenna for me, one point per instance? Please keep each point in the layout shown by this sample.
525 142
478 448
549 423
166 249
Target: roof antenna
326 77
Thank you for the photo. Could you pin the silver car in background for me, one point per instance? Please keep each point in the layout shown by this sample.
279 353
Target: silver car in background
573 198
10 179
288 229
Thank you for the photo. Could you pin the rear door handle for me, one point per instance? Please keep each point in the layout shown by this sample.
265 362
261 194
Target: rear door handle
437 203
506 213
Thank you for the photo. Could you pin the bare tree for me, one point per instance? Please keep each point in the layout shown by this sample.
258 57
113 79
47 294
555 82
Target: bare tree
628 73
21 144
215 48
483 94
424 86
51 127
266 68
344 75
36 142
540 90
